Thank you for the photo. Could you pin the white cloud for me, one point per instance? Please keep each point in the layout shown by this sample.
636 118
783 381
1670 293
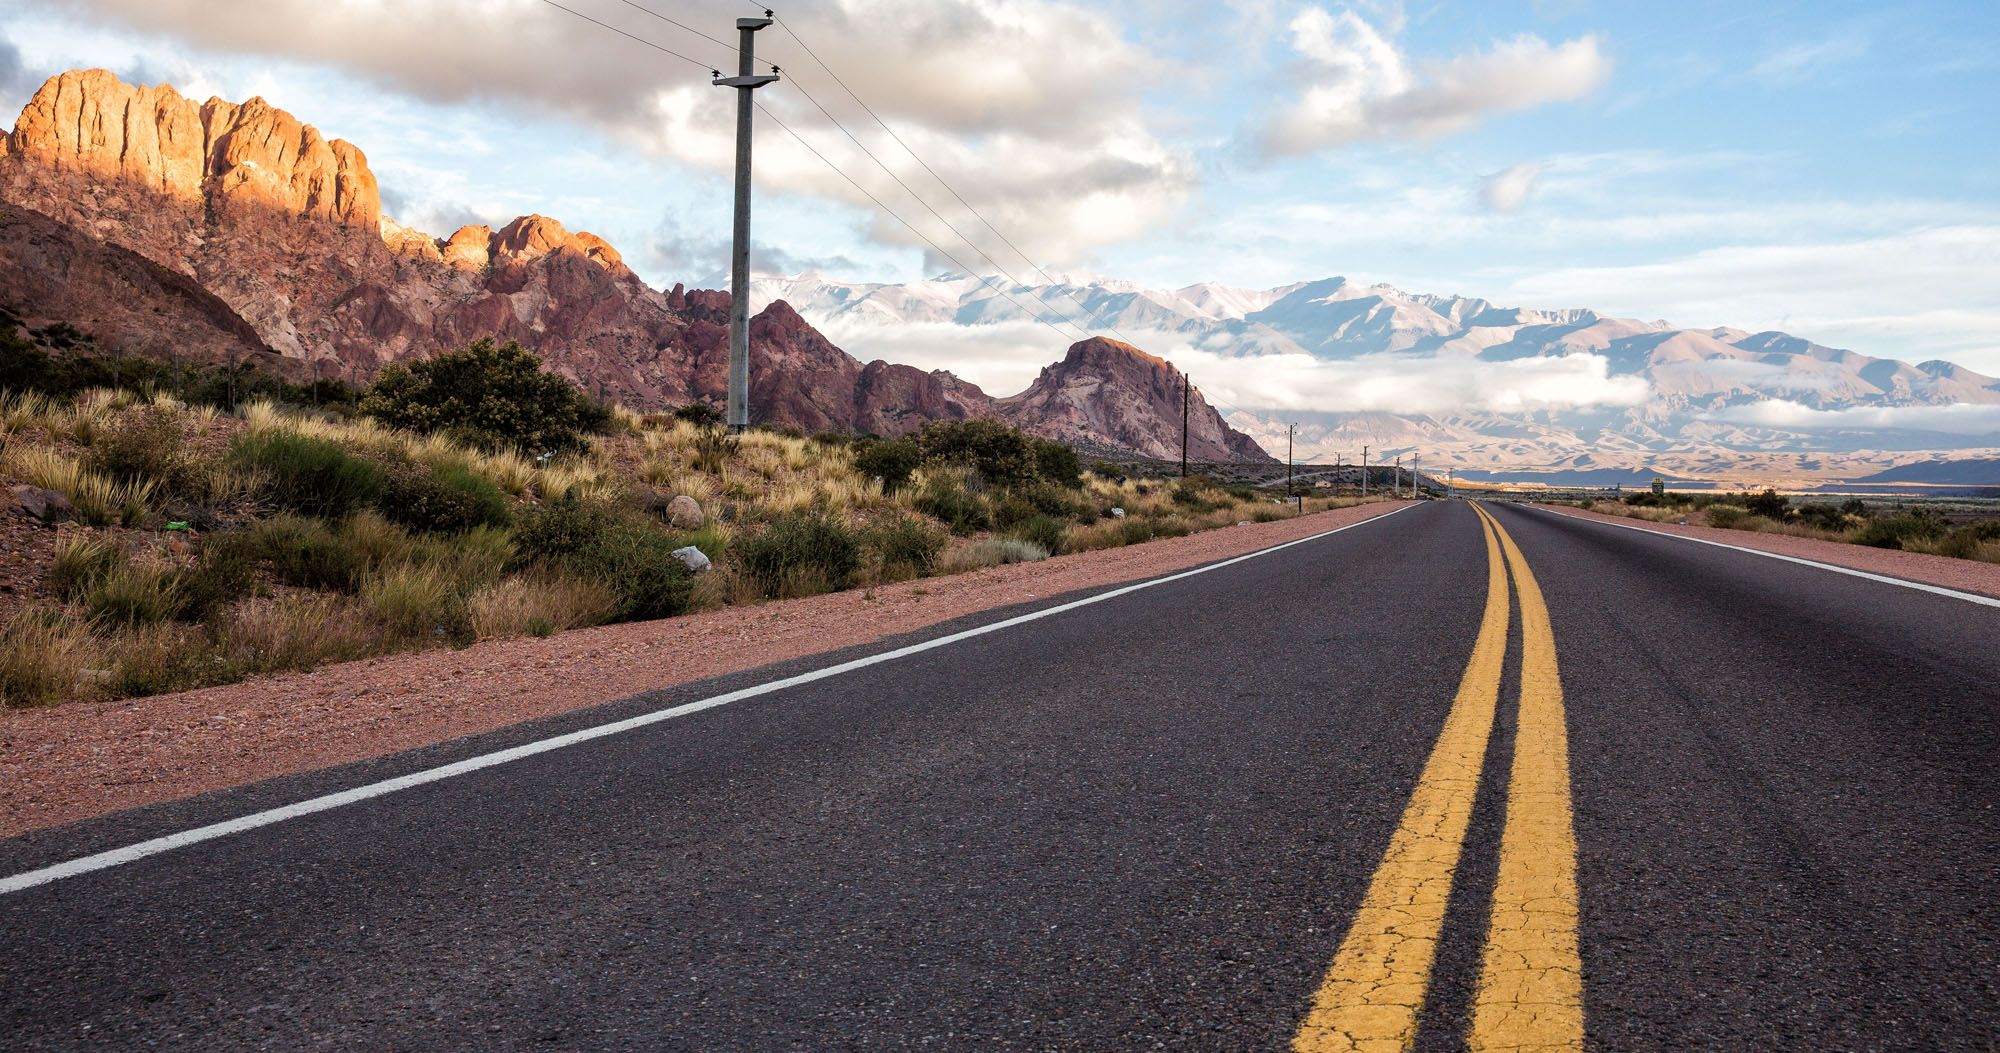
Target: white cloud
1959 419
1507 191
985 90
1799 61
1357 83
1935 292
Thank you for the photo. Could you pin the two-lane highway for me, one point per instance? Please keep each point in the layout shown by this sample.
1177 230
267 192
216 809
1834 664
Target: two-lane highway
1449 777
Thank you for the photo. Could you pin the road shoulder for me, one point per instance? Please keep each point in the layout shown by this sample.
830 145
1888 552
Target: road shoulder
1963 575
77 762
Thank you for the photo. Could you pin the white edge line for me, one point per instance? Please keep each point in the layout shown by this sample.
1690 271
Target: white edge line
1969 597
132 853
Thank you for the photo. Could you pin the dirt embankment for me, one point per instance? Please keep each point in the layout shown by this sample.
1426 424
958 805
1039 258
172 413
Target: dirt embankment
74 762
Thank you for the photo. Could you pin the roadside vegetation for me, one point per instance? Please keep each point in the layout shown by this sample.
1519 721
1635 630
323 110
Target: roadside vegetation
1909 527
473 497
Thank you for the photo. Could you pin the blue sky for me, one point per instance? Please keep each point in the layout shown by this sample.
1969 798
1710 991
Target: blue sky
1828 169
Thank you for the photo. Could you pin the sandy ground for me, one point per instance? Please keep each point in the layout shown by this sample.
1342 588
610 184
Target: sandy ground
67 763
1965 575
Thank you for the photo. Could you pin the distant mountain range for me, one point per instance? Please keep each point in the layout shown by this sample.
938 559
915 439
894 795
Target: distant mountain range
1720 404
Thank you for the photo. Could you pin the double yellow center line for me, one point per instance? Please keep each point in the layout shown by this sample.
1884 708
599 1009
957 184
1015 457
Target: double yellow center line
1530 994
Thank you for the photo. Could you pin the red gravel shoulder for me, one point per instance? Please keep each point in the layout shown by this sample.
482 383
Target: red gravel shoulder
74 762
1964 575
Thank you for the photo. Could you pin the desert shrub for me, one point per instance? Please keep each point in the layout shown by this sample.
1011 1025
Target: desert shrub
150 445
1001 455
1727 517
417 603
134 593
712 448
1056 501
81 563
46 659
1172 526
164 658
1971 541
374 540
962 512
1894 531
1056 463
1267 514
539 605
1195 496
305 553
99 499
1770 504
1133 531
472 559
1824 516
309 475
494 396
800 554
222 573
1042 532
445 499
297 632
700 414
636 563
1010 509
892 460
562 528
904 548
992 552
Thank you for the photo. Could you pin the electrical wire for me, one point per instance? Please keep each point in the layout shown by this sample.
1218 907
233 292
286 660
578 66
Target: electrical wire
634 37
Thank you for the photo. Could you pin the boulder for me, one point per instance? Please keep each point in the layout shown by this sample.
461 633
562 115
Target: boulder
694 559
684 513
1117 513
45 505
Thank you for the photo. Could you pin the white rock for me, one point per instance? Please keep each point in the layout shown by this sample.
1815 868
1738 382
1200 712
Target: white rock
694 559
1117 513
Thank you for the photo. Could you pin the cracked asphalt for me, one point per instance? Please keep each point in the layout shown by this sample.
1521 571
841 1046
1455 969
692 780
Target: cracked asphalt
1148 823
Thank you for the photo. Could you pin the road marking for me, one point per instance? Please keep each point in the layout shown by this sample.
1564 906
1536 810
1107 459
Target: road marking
133 853
1371 996
1969 597
1530 993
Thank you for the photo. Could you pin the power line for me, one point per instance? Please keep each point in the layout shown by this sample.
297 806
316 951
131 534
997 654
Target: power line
953 191
643 9
634 37
906 223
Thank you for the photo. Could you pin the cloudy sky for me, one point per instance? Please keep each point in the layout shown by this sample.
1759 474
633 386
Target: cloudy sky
1824 168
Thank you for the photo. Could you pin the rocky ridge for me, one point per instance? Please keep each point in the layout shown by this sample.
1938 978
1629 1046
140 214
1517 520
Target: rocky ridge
282 228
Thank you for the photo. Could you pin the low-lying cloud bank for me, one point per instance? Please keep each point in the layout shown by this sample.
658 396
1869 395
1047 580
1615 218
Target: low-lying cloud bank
1958 419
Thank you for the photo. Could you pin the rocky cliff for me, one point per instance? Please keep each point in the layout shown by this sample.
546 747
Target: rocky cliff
280 230
1105 391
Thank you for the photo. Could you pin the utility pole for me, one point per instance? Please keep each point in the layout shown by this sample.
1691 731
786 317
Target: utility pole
1336 470
747 80
1187 385
1364 471
1290 431
1416 480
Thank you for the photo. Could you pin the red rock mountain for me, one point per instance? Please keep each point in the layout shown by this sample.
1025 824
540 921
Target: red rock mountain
251 232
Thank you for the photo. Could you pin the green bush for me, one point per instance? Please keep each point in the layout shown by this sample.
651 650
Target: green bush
446 499
1893 531
1133 530
495 396
222 574
893 460
1001 455
904 548
1058 464
81 563
134 594
962 513
800 554
305 553
309 475
1770 504
1267 514
1042 532
637 564
561 529
1728 517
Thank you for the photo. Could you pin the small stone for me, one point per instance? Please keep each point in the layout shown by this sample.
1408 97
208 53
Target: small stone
1117 513
45 505
684 513
694 559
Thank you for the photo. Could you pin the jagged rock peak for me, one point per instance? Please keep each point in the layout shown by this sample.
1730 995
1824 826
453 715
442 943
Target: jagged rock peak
152 138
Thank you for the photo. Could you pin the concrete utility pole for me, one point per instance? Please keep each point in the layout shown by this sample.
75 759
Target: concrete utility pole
1291 430
1396 479
747 80
1187 386
1416 481
1364 471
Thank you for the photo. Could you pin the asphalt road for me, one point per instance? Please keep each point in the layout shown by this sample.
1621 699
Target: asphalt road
1756 809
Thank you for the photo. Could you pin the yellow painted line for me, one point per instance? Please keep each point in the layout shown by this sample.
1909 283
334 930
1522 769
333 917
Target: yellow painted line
1530 993
1371 996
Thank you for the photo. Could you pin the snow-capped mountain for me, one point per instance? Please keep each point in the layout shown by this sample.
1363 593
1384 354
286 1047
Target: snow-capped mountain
1467 382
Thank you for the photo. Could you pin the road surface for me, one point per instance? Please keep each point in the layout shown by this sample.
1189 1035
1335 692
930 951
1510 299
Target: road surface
1544 784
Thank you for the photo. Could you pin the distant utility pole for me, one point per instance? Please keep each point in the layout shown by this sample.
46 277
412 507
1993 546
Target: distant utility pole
1396 478
1336 469
1416 481
1187 385
1364 471
747 80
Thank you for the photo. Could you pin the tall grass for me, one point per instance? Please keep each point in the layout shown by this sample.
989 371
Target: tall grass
99 499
